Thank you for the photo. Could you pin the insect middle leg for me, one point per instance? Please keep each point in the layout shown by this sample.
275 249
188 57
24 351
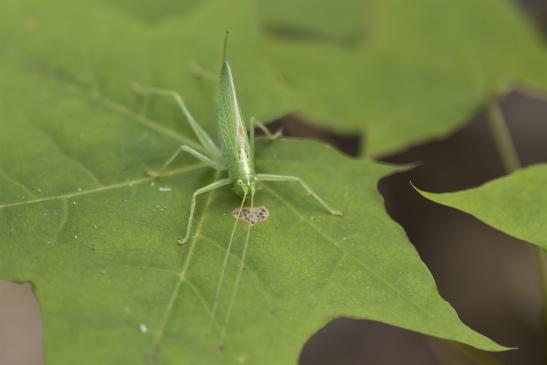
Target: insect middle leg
286 178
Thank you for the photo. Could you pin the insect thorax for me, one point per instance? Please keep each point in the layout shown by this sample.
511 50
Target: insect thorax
240 164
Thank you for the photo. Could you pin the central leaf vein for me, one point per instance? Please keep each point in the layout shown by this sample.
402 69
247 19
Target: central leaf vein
182 278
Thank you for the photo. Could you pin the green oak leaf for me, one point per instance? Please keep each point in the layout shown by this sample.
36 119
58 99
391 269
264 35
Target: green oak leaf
401 72
514 204
81 220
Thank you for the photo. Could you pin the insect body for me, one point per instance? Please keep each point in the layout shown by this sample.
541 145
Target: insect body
234 143
236 152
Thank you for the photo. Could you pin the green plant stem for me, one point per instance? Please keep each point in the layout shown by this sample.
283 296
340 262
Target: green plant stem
511 162
502 138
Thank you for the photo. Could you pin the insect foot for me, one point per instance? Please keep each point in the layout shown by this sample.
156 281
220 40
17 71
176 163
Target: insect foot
336 212
153 173
182 241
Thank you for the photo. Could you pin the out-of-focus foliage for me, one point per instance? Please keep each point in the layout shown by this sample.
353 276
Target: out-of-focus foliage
397 71
401 71
515 204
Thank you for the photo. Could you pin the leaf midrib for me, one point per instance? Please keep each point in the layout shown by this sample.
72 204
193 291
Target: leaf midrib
152 359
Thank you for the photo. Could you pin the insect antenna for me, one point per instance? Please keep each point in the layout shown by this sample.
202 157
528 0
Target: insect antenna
238 277
224 264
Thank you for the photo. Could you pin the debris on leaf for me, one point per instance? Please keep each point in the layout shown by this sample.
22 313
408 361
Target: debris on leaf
252 217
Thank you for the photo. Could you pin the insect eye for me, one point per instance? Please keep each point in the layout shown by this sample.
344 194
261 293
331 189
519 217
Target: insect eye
239 182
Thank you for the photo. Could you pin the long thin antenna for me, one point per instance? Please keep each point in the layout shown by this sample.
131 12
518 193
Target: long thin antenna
238 277
224 264
224 50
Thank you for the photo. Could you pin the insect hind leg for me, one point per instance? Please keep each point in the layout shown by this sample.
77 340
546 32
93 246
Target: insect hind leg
200 156
210 147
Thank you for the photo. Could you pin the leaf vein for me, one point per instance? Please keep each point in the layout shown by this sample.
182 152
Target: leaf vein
113 105
84 168
17 183
200 297
337 245
182 277
127 183
262 290
64 219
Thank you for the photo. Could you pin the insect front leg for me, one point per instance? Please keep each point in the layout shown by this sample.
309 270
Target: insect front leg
272 177
213 186
200 156
210 147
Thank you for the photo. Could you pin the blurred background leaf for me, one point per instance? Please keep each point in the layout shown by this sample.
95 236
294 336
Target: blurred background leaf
514 204
395 71
402 72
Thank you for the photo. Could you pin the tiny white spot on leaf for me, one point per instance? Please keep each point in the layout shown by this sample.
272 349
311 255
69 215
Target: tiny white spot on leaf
143 328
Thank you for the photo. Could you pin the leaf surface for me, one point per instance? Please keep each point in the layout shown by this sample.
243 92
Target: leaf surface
514 204
82 221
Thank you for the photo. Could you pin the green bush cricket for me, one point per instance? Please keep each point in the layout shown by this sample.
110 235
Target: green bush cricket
235 155
236 152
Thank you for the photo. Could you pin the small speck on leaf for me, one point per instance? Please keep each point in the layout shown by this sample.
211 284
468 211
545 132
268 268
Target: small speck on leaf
143 328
